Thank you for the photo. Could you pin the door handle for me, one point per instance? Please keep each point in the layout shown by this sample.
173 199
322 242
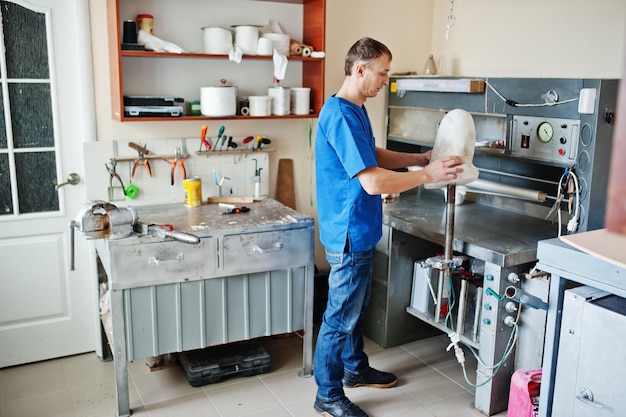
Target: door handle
174 259
72 179
585 395
273 248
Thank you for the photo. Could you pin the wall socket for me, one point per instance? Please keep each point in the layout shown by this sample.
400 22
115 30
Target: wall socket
587 101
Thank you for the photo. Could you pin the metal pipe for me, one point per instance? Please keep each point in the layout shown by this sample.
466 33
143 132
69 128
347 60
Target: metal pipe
460 315
439 296
524 177
444 274
449 223
479 302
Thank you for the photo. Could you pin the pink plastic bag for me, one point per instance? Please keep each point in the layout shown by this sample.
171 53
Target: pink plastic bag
524 393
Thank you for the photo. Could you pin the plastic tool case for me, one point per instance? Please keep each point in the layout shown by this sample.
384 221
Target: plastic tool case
210 365
153 106
153 101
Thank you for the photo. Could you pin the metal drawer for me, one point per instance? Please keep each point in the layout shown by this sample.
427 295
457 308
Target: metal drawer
162 262
251 252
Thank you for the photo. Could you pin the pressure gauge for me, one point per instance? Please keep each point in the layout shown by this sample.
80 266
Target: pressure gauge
545 131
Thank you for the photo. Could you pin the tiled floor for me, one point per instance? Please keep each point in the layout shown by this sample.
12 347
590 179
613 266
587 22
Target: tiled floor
431 383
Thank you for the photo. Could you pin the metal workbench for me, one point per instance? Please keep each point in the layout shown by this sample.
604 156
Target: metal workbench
505 240
250 276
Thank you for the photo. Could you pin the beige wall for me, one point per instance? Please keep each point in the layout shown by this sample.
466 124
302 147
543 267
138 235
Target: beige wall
534 38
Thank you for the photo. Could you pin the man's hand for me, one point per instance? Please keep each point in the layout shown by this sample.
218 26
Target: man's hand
443 169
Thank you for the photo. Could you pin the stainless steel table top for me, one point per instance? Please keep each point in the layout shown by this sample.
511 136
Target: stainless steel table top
207 220
495 235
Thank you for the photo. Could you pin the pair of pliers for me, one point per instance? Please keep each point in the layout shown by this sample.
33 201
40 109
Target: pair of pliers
112 174
141 160
175 163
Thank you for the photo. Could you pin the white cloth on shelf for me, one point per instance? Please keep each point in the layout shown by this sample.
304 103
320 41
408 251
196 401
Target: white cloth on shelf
235 54
152 43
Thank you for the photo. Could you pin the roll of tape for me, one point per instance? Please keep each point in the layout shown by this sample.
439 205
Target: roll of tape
131 191
245 111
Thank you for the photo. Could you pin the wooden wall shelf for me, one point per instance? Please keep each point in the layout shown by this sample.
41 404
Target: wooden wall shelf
313 33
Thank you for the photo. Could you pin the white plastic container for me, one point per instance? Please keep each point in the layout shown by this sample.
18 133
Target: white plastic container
217 41
281 100
260 106
247 38
218 101
300 100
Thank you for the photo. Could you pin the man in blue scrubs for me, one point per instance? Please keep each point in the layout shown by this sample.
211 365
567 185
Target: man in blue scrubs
351 174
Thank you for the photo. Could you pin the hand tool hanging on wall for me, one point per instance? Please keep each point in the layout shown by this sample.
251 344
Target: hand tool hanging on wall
175 162
224 138
203 140
247 140
219 135
141 160
260 141
112 174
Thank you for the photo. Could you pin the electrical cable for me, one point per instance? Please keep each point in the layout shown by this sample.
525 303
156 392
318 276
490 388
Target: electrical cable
514 103
461 358
507 352
572 224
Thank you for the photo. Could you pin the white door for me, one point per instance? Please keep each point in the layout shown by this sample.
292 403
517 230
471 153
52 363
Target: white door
46 112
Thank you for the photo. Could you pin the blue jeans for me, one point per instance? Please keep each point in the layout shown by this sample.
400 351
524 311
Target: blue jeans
340 339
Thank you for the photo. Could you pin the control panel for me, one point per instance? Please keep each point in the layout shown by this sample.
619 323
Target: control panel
545 139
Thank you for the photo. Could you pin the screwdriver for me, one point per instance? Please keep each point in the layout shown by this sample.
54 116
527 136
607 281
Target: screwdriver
219 135
247 140
203 140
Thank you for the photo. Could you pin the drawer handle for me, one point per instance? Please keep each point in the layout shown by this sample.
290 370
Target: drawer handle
585 395
274 248
157 261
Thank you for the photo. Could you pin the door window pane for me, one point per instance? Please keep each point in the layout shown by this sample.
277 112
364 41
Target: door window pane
27 136
3 126
31 115
25 42
36 177
6 205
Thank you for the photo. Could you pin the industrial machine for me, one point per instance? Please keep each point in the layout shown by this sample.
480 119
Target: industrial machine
542 150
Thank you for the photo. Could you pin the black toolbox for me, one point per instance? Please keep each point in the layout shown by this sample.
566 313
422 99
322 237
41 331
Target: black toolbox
210 365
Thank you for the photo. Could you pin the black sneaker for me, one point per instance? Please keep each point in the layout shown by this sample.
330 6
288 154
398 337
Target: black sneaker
342 407
370 378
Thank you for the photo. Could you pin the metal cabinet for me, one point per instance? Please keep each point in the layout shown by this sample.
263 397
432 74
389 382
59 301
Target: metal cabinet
582 355
589 376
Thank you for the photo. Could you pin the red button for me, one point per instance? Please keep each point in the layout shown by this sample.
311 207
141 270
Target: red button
561 151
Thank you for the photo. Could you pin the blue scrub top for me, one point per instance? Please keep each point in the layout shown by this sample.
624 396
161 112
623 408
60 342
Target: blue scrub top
345 146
